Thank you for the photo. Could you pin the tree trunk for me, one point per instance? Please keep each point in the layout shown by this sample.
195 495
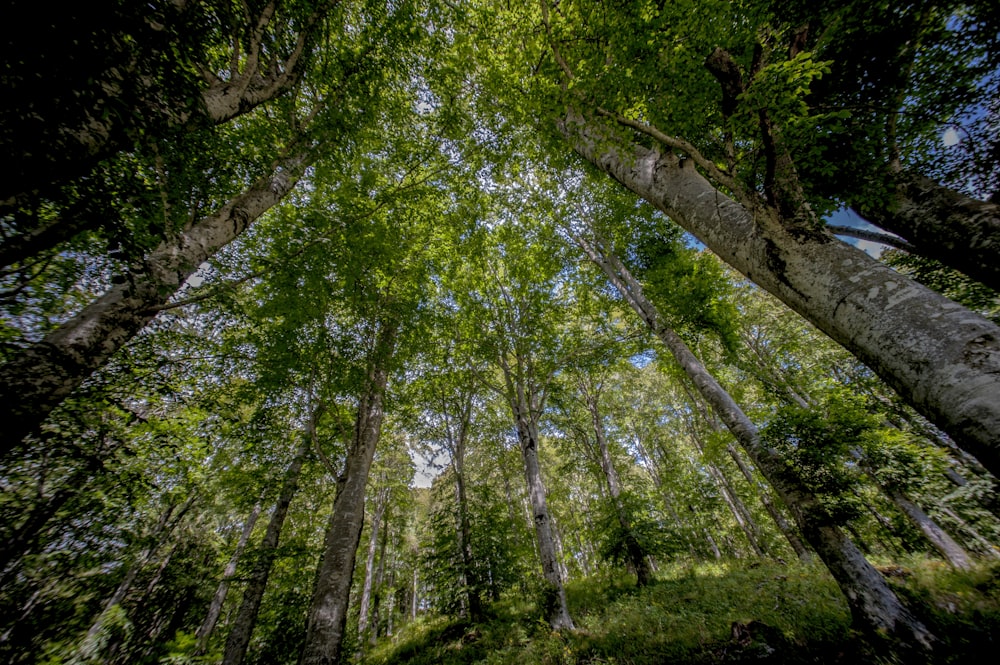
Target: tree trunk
786 529
986 546
873 604
949 549
377 593
711 543
636 554
554 600
942 224
246 617
381 503
942 358
169 519
207 627
328 610
42 375
465 543
738 509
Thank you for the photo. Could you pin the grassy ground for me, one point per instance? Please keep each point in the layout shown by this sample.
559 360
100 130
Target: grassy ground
711 613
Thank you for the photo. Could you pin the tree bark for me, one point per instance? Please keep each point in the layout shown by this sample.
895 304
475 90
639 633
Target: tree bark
328 610
381 503
786 529
873 604
945 544
41 376
942 224
246 617
636 554
207 627
942 358
554 600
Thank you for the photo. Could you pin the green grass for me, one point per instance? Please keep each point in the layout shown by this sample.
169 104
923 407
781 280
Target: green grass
688 614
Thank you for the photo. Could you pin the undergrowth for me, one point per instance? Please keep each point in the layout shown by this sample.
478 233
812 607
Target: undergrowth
711 613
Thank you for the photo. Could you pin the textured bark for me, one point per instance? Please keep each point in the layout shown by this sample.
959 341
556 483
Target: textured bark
246 617
207 627
328 610
873 604
554 601
942 358
42 375
943 224
945 544
636 554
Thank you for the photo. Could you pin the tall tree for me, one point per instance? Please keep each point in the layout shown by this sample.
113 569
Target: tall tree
43 373
873 603
517 300
659 144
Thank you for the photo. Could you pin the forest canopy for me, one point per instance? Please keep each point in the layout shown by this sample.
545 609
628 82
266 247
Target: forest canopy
322 321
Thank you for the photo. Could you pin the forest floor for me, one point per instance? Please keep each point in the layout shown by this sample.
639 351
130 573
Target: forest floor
713 613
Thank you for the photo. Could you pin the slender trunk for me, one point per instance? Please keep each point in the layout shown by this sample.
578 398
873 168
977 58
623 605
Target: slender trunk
942 224
41 376
465 545
377 593
942 358
24 538
382 502
246 617
169 519
554 600
873 604
457 440
328 610
207 627
636 553
738 509
711 543
945 544
787 530
986 546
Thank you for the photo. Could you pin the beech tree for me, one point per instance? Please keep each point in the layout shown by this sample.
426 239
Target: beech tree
518 301
41 374
660 145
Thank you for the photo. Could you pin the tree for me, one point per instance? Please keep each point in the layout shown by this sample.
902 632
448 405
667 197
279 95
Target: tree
937 355
42 374
517 301
873 603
